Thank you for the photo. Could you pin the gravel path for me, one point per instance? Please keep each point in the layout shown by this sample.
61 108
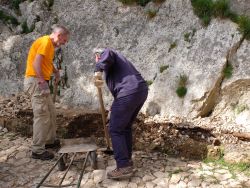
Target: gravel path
153 170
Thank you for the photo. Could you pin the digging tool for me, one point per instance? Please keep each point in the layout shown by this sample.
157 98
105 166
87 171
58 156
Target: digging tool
108 149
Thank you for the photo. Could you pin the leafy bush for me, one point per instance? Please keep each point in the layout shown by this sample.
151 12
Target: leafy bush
244 26
228 71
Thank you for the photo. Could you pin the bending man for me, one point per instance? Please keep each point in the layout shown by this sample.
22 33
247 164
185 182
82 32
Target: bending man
130 91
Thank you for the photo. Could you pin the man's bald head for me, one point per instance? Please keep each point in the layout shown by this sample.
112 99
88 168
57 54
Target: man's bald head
60 29
59 35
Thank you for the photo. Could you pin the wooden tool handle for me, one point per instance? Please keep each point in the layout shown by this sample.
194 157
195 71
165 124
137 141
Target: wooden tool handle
103 116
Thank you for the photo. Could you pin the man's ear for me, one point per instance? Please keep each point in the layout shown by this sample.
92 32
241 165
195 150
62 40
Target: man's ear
59 35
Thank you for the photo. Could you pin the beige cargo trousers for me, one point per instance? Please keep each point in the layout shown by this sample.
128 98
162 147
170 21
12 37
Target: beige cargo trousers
44 121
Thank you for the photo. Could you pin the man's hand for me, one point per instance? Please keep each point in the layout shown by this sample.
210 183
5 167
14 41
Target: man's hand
98 81
44 87
108 116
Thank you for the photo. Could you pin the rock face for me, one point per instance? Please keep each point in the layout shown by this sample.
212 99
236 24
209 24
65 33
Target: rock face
171 44
241 6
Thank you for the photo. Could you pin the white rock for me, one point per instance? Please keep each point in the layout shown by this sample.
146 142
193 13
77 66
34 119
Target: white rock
99 175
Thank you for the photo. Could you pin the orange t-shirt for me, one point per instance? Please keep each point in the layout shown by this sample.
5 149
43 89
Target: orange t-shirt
42 46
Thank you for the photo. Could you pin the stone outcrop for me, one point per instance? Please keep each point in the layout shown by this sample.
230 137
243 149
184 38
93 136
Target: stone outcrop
174 38
241 6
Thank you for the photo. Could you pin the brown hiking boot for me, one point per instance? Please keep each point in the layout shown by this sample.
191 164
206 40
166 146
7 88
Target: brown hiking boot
118 173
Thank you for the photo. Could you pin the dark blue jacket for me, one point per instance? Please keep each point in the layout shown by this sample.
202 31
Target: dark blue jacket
121 76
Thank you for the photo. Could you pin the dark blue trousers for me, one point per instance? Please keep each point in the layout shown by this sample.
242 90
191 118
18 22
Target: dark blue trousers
123 112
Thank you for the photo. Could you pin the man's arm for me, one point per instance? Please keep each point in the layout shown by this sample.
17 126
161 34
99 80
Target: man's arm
37 64
43 85
57 74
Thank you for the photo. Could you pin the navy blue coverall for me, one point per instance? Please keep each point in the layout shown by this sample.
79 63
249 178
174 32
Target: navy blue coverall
130 92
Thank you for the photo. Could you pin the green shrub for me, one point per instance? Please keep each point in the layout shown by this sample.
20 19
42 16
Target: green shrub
203 9
15 4
172 46
151 13
8 19
221 8
181 91
244 26
163 68
26 29
228 71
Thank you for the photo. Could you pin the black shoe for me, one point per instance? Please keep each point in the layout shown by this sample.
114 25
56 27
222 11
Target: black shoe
43 156
55 145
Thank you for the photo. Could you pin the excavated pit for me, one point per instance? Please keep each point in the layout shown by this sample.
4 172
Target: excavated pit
174 139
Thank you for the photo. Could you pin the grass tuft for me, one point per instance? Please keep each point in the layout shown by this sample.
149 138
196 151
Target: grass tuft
221 8
233 168
228 71
163 68
151 13
203 9
149 82
172 46
244 26
181 90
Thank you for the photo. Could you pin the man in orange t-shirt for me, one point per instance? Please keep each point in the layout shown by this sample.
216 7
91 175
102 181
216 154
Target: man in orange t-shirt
38 72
